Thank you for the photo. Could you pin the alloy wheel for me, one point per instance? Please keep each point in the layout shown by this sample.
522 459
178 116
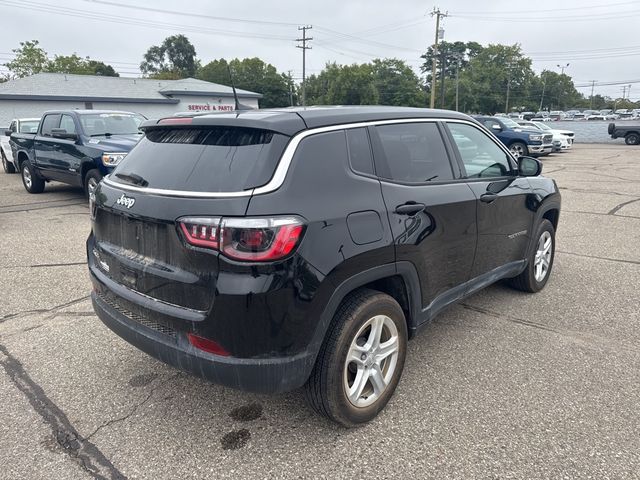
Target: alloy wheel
542 259
26 175
371 361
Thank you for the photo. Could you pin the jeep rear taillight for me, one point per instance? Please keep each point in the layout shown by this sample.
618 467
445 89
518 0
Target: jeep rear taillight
245 239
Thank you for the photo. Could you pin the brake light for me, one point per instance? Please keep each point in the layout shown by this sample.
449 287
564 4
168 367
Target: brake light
207 345
245 239
176 121
200 231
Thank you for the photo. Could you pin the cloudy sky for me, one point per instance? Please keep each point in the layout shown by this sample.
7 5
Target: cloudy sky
599 40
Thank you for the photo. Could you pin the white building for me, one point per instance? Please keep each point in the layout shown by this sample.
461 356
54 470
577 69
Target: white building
33 95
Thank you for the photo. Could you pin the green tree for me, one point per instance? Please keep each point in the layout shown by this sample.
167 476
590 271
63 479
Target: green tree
452 54
555 91
396 83
79 66
491 73
174 58
343 85
30 59
254 75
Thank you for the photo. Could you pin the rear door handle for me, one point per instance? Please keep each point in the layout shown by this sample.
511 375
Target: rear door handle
410 208
488 197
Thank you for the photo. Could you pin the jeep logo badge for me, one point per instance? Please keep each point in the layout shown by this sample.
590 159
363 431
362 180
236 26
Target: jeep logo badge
126 201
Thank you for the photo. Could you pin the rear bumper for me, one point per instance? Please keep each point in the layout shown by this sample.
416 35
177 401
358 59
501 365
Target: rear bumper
260 375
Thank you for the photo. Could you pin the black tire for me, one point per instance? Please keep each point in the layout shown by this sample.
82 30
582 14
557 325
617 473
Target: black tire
325 389
527 281
33 183
91 176
6 164
519 149
611 128
632 139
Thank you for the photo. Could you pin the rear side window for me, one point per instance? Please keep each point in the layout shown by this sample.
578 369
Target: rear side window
414 152
214 159
49 122
360 156
29 126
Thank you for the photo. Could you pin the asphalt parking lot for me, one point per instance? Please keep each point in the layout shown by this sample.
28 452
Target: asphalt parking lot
504 385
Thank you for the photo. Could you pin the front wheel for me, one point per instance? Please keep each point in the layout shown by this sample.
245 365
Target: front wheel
519 149
361 359
33 183
632 139
91 181
540 260
7 165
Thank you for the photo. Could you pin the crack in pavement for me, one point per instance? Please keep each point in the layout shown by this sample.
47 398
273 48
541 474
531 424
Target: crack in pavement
604 192
620 260
41 208
574 336
619 206
80 449
43 310
564 210
135 407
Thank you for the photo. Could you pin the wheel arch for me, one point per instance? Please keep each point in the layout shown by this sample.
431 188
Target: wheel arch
399 280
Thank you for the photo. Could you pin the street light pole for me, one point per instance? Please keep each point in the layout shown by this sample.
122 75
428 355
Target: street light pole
562 67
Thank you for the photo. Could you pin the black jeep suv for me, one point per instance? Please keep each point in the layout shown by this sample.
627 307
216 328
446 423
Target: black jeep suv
267 250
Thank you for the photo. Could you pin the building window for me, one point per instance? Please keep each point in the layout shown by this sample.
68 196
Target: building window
88 105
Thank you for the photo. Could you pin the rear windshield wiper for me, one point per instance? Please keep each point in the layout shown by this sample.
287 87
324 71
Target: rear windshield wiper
133 179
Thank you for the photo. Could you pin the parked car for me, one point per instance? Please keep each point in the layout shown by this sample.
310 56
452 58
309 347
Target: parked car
519 140
528 115
274 249
22 125
77 147
631 134
562 139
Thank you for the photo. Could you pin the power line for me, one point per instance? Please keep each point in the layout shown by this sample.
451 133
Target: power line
555 10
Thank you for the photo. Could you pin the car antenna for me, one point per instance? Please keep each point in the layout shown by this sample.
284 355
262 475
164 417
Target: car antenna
239 106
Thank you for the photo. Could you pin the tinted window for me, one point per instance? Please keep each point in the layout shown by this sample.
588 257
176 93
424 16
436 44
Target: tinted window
49 122
29 126
67 124
480 155
12 127
414 152
99 124
359 150
216 159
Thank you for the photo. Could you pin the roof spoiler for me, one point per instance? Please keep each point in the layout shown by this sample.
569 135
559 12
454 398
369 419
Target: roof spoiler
239 106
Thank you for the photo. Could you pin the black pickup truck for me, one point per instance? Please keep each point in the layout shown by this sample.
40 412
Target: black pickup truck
631 134
77 147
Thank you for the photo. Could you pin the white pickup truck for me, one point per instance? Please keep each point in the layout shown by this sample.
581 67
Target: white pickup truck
18 125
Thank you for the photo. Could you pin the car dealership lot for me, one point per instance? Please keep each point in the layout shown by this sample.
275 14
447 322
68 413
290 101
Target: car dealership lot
505 385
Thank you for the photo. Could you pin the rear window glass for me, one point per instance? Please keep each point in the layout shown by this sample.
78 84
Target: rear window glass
215 159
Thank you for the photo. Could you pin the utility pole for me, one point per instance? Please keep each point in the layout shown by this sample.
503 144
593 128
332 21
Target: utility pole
304 48
457 81
443 67
544 84
290 89
438 14
506 103
593 85
629 93
562 67
624 92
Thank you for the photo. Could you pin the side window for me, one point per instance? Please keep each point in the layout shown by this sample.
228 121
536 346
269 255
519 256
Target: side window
480 155
360 156
49 122
490 124
12 127
67 124
414 152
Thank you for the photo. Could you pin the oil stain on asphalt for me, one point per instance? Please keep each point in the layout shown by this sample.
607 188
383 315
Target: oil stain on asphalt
142 380
239 438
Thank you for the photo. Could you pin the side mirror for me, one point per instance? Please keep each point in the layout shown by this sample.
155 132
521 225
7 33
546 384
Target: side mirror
496 127
62 133
8 133
529 167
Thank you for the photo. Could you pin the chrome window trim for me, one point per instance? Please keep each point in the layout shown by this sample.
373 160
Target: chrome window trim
284 163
